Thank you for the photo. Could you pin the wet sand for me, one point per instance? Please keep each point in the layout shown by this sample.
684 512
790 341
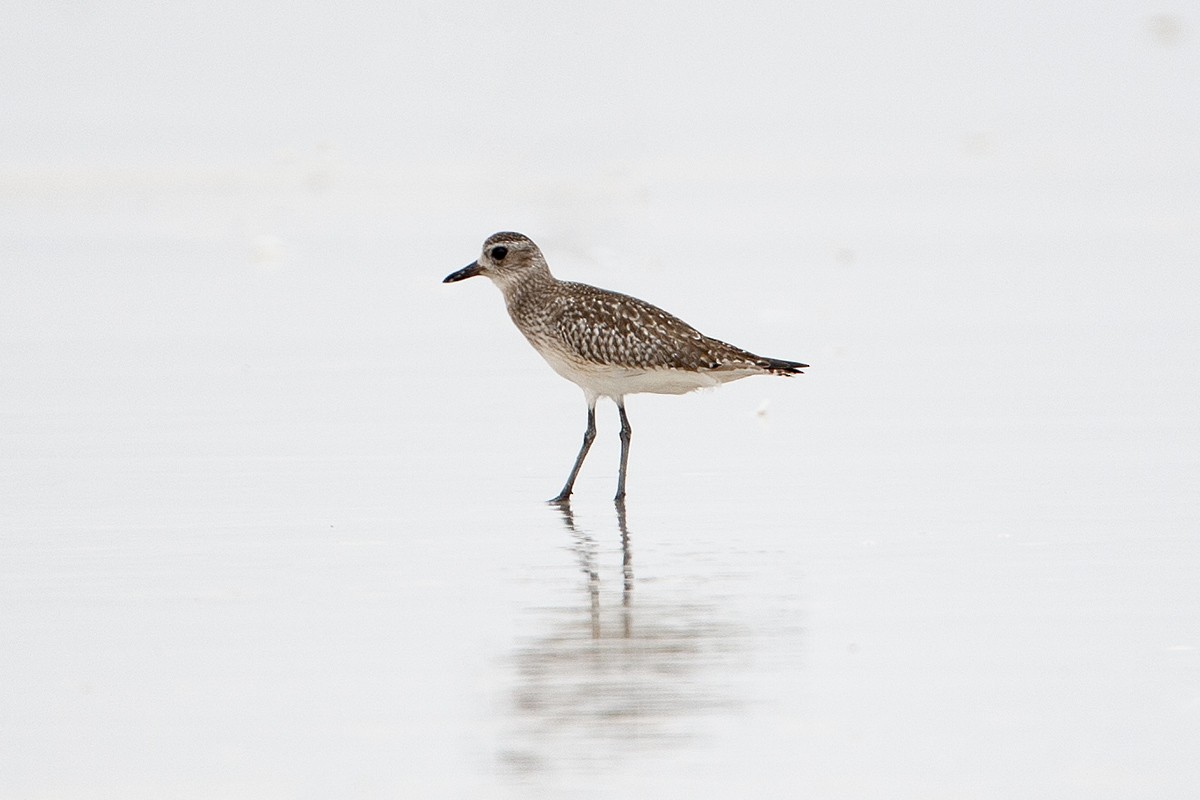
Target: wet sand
272 518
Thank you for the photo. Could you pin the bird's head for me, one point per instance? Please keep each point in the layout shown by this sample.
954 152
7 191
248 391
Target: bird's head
507 257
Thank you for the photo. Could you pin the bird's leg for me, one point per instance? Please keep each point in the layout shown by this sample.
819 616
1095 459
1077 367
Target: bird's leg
626 434
588 437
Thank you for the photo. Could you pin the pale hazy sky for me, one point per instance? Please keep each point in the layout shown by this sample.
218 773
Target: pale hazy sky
540 83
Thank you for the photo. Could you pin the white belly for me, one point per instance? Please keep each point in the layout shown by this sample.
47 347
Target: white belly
615 382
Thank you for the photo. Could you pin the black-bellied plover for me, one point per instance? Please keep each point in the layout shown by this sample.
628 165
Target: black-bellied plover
609 344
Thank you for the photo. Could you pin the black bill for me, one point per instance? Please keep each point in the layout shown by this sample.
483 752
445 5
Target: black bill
469 271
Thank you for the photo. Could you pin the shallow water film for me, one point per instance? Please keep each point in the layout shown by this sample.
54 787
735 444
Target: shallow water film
273 517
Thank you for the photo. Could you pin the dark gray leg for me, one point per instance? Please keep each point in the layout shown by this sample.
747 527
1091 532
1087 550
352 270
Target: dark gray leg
626 434
588 437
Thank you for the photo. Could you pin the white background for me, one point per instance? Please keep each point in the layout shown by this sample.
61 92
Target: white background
270 518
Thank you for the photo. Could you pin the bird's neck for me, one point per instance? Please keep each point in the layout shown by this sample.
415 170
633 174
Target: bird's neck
525 286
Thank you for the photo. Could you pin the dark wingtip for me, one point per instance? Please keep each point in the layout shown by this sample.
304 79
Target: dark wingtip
780 367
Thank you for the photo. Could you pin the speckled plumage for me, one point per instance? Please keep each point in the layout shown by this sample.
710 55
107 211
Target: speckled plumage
609 344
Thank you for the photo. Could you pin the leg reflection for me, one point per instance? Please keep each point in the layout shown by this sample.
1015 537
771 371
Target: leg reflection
626 570
593 684
585 549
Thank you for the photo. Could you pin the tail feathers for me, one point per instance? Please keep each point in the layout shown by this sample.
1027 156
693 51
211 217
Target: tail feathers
779 367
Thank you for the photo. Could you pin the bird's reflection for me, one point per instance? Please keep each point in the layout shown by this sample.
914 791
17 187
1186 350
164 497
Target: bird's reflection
585 549
598 678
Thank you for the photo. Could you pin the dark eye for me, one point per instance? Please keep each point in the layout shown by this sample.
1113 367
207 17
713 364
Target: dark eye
498 253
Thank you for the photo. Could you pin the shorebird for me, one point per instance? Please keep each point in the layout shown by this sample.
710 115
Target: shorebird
608 344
